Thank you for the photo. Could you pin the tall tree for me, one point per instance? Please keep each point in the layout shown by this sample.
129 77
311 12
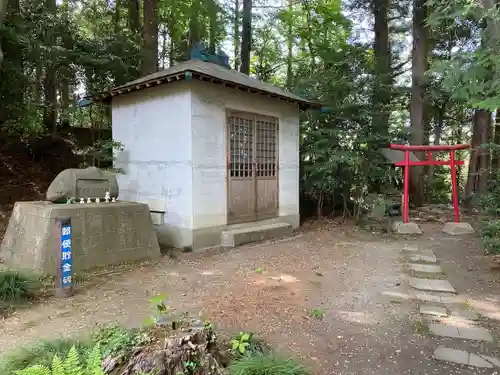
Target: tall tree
419 58
236 34
383 70
149 62
246 38
49 85
3 11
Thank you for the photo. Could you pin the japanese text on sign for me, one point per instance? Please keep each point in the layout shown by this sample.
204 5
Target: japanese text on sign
66 256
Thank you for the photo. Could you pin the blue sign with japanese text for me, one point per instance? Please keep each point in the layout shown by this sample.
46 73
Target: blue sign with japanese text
66 257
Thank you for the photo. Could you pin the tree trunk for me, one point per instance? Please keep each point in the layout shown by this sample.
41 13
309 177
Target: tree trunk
312 51
49 84
246 39
383 70
150 38
477 178
194 26
117 16
438 130
289 60
133 15
236 35
484 127
495 162
164 53
3 11
417 104
67 76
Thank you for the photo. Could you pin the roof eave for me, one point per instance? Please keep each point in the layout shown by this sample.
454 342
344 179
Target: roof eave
187 75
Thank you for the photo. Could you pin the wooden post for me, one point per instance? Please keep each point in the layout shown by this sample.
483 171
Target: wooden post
454 192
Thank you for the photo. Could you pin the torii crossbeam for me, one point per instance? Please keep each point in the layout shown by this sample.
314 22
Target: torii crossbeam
407 162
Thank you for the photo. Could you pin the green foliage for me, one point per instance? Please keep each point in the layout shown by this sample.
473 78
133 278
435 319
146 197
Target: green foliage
317 313
490 236
265 365
490 207
118 341
72 365
16 286
241 342
40 354
102 154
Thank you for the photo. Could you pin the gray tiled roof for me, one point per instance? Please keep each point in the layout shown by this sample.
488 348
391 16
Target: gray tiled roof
199 69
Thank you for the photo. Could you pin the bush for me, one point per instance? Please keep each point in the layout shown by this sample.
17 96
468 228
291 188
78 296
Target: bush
490 236
490 208
265 365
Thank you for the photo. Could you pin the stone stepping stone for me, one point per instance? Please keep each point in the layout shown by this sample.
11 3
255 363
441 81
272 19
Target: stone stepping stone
460 357
428 257
431 285
465 333
464 313
425 268
494 361
431 309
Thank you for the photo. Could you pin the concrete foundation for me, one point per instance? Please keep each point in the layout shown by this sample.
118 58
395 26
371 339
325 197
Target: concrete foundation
406 228
103 234
247 234
456 229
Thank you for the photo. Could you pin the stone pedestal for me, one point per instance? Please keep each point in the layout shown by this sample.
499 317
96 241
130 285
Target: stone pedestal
102 234
456 229
406 228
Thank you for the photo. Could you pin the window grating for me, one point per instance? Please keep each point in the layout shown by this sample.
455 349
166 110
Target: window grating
253 146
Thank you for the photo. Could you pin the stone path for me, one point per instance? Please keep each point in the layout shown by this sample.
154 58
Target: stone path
444 312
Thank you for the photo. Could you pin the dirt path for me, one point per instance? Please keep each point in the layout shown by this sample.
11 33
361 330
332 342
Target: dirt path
341 274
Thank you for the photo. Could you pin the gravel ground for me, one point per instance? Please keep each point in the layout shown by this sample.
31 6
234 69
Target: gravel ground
337 271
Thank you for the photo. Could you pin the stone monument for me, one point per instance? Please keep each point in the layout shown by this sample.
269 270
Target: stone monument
103 233
85 183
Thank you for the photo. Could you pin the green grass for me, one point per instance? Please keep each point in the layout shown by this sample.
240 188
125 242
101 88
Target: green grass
317 313
16 286
266 365
41 353
421 327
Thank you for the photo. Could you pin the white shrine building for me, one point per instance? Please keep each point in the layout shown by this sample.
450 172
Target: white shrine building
209 149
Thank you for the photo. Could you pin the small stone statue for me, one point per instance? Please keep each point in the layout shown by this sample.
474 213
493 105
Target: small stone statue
89 200
97 200
107 197
82 200
113 200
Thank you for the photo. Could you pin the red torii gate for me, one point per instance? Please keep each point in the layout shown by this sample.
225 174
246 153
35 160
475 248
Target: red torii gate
407 162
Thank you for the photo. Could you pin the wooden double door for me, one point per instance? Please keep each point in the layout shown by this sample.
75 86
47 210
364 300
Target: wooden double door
252 165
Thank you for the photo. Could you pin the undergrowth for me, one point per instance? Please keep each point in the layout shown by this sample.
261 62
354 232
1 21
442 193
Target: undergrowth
75 363
113 340
266 365
16 286
490 208
41 354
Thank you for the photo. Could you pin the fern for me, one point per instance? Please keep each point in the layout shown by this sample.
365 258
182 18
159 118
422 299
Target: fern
71 366
94 362
57 366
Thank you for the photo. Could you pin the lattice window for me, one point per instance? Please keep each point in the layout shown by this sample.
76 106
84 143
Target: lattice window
266 147
253 146
241 146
